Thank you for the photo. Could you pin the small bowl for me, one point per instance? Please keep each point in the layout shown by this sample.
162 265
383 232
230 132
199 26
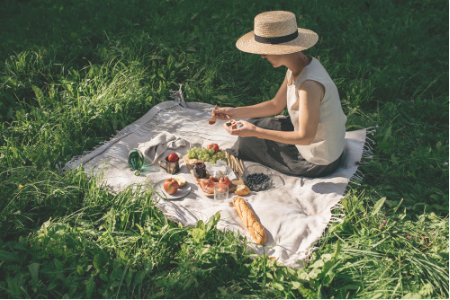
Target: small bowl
257 177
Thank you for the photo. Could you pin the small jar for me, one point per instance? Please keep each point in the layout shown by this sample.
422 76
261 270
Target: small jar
199 169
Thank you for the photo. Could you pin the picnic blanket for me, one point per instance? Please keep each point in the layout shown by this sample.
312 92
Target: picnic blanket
295 212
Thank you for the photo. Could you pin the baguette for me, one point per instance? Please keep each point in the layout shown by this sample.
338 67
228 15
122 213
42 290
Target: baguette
249 219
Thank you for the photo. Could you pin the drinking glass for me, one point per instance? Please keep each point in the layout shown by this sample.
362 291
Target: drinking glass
196 145
136 161
221 192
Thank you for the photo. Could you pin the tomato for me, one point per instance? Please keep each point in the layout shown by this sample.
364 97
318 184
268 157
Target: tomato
225 180
213 146
172 157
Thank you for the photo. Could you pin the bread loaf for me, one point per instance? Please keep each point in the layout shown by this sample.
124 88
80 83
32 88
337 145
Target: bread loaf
249 219
242 190
231 123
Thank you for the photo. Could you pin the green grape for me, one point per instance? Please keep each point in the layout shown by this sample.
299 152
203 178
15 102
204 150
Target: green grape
191 154
211 151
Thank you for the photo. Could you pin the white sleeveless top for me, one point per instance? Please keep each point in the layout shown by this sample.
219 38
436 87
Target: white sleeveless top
328 143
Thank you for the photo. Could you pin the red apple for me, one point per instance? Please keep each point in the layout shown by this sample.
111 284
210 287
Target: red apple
213 146
171 186
173 157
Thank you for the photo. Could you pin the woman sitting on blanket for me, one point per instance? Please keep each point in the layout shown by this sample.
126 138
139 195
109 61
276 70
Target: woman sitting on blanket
310 141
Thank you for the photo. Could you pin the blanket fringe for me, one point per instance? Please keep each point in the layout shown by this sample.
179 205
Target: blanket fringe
339 206
69 165
308 254
367 155
336 219
357 177
368 146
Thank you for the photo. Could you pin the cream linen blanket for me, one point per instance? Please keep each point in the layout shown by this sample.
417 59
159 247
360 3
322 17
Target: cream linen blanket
295 212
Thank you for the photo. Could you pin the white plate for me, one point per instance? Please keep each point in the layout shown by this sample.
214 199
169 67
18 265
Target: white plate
181 192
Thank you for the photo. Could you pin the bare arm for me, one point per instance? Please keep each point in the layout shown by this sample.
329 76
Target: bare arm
310 94
264 109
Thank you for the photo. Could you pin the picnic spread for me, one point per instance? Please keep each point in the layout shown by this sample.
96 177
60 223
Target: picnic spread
283 220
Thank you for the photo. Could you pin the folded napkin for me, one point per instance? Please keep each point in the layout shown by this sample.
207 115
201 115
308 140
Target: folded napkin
155 148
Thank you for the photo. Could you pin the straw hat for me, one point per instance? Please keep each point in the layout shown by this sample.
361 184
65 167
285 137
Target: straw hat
276 32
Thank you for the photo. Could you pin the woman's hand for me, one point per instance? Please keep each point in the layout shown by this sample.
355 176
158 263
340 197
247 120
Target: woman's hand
244 129
225 113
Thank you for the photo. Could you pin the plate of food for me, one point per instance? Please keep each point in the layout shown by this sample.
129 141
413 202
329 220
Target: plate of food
172 188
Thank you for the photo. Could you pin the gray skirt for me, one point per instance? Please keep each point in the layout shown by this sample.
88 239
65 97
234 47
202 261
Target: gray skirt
284 158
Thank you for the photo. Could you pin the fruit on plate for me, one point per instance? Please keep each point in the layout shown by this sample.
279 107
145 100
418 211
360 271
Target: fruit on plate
171 186
173 157
213 146
225 180
180 179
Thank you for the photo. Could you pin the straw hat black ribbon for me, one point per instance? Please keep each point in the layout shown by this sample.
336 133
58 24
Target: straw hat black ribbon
276 33
277 39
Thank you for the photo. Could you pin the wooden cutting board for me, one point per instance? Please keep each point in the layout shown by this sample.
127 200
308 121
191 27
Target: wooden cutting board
234 163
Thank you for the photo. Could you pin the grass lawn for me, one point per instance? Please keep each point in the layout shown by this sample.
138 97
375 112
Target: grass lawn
73 72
